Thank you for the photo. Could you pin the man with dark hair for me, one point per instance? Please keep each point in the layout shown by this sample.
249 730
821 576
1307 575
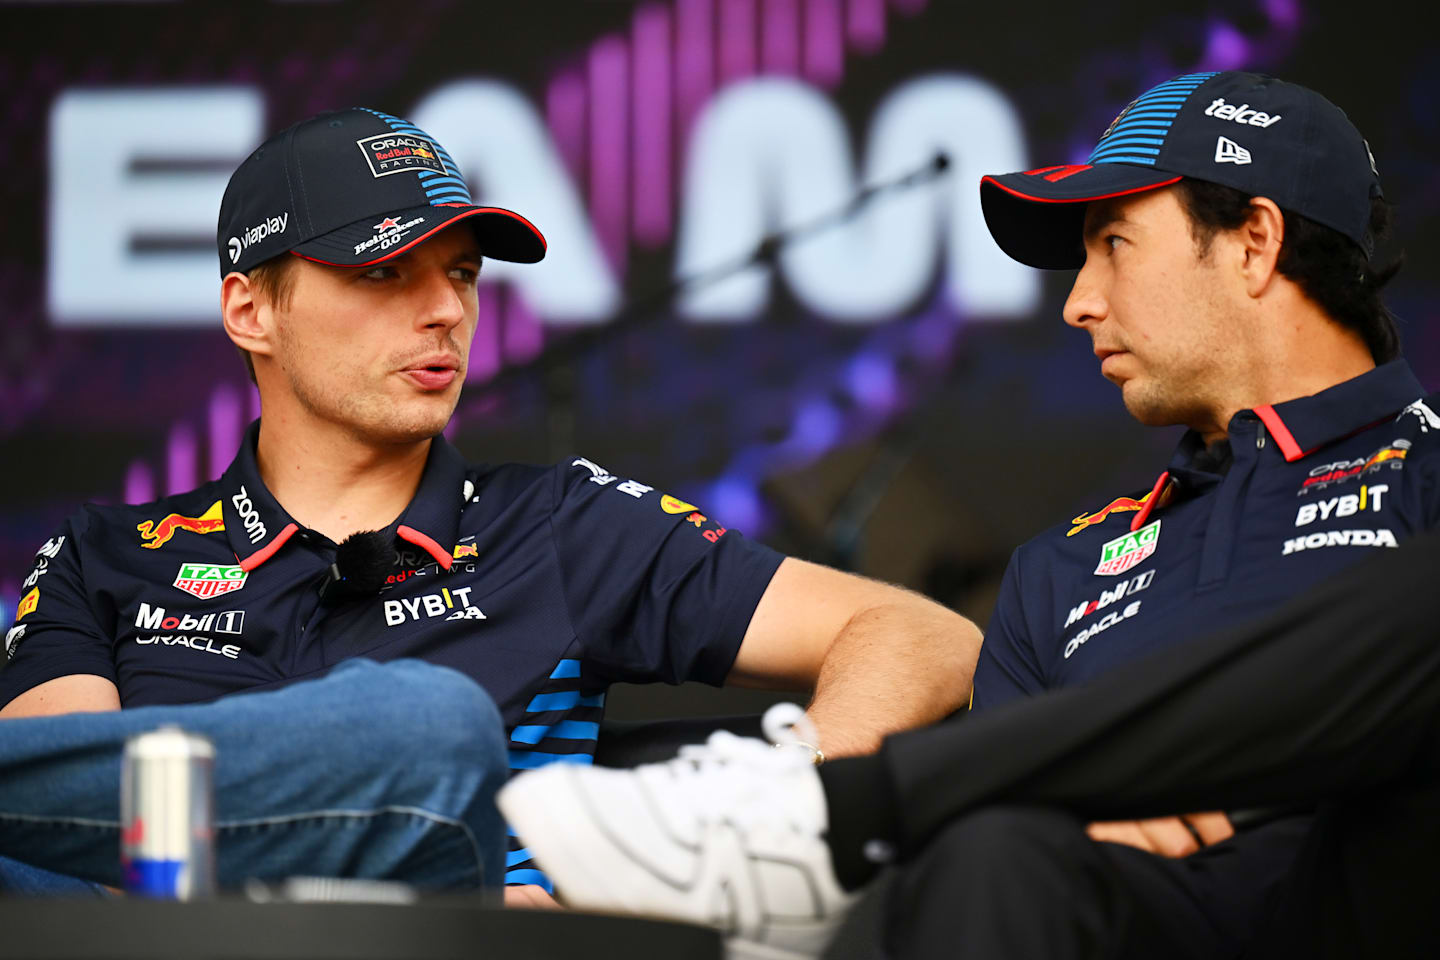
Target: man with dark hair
1223 229
347 527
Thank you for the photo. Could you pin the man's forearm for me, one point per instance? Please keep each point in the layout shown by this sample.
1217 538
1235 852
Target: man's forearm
895 666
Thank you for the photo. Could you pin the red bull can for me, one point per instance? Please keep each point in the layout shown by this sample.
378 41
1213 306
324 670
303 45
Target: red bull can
167 815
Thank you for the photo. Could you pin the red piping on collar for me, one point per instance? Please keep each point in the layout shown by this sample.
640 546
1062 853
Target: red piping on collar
1150 502
441 555
268 551
1281 433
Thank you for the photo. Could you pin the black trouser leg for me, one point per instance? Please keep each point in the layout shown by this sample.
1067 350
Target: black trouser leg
1027 882
1337 692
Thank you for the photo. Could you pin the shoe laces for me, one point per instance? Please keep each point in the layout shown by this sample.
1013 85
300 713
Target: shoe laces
743 779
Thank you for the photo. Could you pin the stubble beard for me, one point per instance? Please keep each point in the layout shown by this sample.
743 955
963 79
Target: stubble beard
1164 401
361 408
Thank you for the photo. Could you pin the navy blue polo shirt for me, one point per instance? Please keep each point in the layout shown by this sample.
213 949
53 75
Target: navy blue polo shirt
544 584
1297 493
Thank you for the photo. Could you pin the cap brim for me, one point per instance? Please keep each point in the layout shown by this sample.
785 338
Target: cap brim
502 234
1038 217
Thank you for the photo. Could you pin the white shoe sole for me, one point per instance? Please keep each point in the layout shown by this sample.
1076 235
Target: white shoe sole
544 818
737 949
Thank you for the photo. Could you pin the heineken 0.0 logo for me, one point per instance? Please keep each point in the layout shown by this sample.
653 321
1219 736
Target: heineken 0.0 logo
1122 553
209 580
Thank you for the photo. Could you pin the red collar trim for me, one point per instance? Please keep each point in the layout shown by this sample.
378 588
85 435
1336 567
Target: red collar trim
1281 433
1151 502
428 544
268 551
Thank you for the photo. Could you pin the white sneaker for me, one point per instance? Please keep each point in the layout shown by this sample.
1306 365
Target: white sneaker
729 834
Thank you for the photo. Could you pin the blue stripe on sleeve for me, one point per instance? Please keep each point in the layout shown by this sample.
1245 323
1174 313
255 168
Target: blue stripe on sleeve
566 670
530 876
566 730
564 700
529 759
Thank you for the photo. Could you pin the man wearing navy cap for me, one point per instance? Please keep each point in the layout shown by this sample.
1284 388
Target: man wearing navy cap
1222 228
347 527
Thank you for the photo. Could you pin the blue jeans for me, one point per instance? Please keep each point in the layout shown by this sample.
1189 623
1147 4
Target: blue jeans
376 771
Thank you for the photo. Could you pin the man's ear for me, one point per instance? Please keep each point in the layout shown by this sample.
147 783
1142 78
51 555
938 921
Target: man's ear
1260 237
247 320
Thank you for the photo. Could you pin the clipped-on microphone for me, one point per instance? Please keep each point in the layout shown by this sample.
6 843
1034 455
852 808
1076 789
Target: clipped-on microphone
362 562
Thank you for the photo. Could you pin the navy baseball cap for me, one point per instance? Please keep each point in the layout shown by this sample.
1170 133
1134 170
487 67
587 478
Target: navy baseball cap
352 188
1248 131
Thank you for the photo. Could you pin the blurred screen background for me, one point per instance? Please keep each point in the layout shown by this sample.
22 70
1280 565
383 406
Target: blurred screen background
888 394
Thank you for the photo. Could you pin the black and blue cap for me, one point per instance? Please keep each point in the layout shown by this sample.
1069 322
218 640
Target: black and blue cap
352 188
1244 130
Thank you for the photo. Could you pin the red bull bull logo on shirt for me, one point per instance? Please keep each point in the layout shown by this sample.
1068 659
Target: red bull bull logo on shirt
1118 505
156 535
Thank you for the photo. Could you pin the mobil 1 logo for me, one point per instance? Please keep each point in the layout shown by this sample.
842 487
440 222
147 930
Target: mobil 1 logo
206 633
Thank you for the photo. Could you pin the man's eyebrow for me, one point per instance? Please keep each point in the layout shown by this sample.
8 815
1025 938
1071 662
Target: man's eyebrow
1094 227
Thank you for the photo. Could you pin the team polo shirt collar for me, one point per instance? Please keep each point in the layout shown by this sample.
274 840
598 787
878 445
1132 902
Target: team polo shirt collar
257 526
255 523
1306 424
432 521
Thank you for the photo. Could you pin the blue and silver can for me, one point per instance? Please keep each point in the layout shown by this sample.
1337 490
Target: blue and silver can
167 815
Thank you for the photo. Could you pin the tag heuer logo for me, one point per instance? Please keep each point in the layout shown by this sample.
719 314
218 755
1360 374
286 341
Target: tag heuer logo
1125 552
208 580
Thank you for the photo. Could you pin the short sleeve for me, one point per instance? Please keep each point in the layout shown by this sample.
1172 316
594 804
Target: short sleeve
1007 668
657 589
55 633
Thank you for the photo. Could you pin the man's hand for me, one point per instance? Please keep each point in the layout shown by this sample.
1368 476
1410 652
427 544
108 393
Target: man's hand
529 896
1166 836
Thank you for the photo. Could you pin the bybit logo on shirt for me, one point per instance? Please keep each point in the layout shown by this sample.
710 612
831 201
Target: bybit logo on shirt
450 604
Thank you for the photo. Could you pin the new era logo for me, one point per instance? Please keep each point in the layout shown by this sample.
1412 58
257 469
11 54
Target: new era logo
1228 151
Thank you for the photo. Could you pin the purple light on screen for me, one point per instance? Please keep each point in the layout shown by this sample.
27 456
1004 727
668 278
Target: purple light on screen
694 61
226 421
1283 13
817 428
452 427
737 40
485 348
865 24
780 37
1226 48
565 115
253 394
651 40
180 459
871 379
824 49
609 141
735 503
139 482
909 7
523 336
933 334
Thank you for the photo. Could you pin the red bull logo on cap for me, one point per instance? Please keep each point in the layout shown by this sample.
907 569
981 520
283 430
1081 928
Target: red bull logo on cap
156 535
